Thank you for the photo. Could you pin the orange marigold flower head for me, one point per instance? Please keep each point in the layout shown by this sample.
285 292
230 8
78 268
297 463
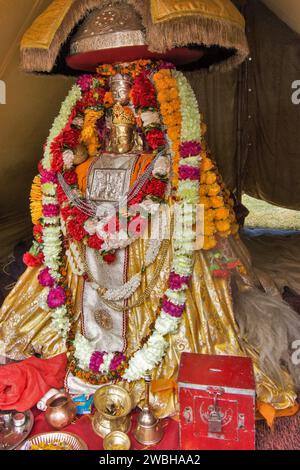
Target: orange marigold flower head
209 229
216 202
209 243
206 202
206 164
108 99
209 214
222 214
174 133
210 178
214 189
223 225
203 189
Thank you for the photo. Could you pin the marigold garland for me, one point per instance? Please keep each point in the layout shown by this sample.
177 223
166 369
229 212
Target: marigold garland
133 69
89 135
169 101
36 200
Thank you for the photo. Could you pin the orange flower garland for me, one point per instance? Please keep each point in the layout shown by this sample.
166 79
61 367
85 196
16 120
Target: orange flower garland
36 207
89 135
168 98
219 214
133 69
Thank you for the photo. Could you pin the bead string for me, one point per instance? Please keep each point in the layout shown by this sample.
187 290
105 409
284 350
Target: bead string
148 291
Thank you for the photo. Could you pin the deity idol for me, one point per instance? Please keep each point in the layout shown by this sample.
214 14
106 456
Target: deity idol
125 155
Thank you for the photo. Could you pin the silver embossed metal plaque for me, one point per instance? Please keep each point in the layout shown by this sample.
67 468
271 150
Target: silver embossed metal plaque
108 184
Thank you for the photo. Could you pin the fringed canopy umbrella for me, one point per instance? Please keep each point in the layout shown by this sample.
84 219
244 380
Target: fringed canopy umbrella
213 27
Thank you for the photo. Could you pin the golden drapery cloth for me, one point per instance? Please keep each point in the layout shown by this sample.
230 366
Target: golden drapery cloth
208 327
164 10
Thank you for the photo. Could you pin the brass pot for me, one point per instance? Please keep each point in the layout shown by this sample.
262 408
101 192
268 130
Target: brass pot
116 440
61 410
113 405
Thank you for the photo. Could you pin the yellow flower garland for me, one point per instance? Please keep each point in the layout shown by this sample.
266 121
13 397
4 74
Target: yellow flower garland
89 135
36 208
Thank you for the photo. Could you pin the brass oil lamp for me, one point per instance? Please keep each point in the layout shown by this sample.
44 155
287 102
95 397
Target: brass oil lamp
113 405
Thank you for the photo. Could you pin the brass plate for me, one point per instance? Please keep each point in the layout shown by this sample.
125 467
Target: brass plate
71 440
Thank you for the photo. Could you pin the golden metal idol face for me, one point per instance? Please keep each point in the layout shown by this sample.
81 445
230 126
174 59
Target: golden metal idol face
122 138
120 94
120 87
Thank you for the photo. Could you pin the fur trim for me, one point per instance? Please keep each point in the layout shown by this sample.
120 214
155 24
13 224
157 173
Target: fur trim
270 326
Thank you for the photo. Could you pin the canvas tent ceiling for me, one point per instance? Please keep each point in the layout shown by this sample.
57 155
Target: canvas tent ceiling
287 10
32 102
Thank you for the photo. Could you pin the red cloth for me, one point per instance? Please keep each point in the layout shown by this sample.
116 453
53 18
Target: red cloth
83 428
88 61
24 383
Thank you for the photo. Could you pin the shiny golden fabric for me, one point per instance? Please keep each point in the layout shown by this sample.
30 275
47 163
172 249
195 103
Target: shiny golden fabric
25 328
166 10
42 31
208 327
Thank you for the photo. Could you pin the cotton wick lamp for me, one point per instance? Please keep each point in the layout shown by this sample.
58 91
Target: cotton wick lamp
149 430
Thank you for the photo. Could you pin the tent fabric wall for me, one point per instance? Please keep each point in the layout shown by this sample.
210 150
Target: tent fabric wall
31 104
217 95
258 151
270 167
271 121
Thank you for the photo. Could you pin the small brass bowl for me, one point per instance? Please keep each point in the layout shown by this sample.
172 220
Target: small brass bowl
112 394
116 440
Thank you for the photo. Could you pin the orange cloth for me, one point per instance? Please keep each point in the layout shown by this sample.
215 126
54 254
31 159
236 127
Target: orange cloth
163 385
141 166
269 413
82 172
24 383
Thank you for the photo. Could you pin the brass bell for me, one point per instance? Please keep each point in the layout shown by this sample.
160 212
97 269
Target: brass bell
149 430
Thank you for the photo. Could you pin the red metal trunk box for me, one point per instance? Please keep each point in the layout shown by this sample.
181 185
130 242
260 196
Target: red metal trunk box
217 402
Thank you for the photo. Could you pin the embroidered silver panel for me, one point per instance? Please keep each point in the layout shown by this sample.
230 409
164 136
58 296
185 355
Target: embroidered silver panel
107 184
109 177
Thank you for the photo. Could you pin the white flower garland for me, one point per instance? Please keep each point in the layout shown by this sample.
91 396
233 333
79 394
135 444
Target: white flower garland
154 350
60 122
52 229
